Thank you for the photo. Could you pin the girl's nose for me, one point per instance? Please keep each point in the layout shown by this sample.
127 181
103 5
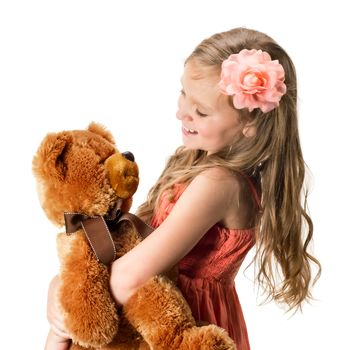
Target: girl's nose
183 116
183 111
178 115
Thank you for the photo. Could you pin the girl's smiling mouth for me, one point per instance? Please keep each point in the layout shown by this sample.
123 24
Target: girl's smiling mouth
188 131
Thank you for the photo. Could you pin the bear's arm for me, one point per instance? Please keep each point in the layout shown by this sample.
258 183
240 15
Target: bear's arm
84 293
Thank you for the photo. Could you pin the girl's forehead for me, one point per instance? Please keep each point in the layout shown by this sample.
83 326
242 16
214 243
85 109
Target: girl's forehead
201 83
205 75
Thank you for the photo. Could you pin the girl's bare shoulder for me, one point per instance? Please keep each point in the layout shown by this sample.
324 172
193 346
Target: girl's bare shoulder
222 176
233 182
238 197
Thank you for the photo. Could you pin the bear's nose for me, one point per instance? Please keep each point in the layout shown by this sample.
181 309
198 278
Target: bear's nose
128 155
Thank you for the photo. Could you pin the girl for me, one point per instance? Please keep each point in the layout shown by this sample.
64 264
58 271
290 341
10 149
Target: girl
236 182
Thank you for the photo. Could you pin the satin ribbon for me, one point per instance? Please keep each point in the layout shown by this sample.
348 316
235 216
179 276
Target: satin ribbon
98 230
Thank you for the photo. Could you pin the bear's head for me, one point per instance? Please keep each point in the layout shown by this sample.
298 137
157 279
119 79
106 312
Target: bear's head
82 171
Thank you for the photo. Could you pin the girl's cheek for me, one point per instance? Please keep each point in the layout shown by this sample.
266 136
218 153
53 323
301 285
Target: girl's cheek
203 129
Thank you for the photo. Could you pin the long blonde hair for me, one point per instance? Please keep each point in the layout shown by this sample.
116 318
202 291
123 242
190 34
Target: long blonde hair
273 159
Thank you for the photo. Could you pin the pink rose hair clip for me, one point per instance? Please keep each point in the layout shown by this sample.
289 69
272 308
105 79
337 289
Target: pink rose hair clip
253 79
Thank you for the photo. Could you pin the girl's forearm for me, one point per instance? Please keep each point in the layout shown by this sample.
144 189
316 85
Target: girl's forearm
56 343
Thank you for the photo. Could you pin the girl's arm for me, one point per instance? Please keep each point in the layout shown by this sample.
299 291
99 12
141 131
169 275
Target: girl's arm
202 204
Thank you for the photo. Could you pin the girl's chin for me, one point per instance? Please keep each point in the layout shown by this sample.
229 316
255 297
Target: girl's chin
188 146
191 147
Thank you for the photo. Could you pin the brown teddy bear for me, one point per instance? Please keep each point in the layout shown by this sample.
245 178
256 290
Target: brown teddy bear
82 174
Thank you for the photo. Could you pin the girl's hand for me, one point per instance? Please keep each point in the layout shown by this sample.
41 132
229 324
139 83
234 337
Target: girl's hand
55 342
54 315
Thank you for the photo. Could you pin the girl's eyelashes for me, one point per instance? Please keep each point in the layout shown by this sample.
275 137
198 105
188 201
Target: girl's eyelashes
200 113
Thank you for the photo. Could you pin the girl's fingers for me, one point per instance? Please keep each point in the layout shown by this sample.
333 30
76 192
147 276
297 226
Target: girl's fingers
59 332
58 327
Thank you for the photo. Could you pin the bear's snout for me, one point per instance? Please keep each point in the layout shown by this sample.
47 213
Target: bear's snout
128 155
123 173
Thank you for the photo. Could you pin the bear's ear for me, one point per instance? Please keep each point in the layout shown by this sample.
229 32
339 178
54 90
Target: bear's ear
48 163
99 129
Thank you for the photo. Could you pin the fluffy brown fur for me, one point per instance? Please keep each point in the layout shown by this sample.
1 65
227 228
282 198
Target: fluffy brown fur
82 171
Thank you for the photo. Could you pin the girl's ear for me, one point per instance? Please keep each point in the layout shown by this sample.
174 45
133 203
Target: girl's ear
249 130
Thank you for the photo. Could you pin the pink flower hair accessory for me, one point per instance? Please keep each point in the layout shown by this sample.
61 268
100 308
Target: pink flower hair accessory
253 79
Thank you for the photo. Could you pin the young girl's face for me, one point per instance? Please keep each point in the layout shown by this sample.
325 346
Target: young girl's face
209 123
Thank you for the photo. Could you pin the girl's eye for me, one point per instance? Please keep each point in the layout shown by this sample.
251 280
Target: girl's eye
200 113
182 92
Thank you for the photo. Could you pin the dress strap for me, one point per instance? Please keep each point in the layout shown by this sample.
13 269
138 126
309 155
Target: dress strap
253 189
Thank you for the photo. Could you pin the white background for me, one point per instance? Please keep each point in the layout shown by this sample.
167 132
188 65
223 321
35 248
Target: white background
66 63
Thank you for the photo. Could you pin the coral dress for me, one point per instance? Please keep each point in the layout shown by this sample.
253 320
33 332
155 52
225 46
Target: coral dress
207 273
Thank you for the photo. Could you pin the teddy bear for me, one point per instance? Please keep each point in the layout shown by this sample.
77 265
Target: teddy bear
86 184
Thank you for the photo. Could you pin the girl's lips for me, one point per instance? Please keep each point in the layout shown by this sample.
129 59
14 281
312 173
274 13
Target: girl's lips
188 132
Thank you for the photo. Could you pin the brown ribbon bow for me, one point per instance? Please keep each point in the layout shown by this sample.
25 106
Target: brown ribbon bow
98 230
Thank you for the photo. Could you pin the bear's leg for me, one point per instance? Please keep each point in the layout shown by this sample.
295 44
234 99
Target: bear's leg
89 310
206 338
79 347
162 316
127 337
